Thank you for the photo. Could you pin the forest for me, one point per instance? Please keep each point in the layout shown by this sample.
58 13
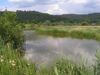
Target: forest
64 19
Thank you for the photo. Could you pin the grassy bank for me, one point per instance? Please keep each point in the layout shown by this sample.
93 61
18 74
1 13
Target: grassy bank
82 32
11 63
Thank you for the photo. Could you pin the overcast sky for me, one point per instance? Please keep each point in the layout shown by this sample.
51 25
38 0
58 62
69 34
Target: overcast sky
53 6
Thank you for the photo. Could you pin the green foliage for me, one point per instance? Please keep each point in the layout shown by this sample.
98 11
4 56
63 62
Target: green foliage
68 67
11 63
84 24
10 32
66 19
97 67
88 32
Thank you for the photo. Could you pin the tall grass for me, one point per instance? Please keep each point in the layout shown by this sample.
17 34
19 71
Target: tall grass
73 32
11 63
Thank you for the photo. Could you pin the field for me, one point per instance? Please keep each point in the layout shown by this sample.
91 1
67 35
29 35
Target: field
12 62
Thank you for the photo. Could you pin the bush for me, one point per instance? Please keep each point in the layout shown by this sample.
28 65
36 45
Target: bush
10 32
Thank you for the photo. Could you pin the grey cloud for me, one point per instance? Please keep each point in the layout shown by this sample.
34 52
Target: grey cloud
89 7
23 4
44 5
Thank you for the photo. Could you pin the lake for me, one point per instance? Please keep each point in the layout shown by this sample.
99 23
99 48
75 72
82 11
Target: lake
46 49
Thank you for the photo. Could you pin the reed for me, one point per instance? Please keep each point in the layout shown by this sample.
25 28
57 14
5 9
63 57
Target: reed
79 32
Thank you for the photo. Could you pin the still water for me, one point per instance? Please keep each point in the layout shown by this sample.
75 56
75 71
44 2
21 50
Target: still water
45 49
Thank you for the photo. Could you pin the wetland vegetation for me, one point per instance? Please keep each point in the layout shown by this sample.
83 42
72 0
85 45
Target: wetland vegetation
81 32
11 43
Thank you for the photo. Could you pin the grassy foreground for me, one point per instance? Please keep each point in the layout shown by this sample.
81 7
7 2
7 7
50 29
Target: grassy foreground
81 32
11 63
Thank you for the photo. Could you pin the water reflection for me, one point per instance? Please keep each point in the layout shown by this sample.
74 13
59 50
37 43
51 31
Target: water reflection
45 49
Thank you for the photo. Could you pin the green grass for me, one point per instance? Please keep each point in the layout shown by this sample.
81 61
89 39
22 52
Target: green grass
81 32
12 63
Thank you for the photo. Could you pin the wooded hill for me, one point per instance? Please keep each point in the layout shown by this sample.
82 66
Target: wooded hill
44 18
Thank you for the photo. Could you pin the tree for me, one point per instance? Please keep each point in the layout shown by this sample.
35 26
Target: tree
47 22
84 24
10 32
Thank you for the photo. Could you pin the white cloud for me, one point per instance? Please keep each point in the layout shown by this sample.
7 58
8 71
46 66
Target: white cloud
66 6
75 6
53 8
56 8
78 1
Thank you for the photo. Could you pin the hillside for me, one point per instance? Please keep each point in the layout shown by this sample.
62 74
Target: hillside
37 17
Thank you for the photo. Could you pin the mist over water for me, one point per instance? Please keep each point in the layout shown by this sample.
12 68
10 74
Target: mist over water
46 49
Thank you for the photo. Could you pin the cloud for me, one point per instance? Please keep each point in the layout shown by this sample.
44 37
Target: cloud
36 2
77 7
78 1
22 3
63 6
15 1
54 9
58 6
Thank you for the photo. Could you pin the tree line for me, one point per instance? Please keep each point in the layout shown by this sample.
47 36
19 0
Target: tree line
65 19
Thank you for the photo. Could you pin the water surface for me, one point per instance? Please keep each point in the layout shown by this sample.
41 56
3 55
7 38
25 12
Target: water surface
45 49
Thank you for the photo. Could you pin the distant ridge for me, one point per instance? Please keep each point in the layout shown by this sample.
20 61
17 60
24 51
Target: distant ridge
38 17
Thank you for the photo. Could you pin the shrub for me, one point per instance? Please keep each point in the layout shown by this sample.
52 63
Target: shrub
10 32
